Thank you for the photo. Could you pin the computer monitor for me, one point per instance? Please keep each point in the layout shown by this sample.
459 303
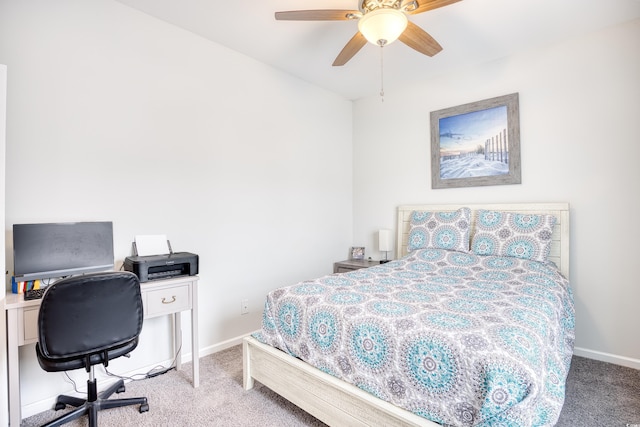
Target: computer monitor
51 250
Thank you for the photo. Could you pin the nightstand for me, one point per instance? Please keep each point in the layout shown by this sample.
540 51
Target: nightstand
353 264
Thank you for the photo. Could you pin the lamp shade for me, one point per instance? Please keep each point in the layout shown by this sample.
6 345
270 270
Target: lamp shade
384 240
382 26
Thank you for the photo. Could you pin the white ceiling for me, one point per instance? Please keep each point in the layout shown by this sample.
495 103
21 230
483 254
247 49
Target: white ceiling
470 32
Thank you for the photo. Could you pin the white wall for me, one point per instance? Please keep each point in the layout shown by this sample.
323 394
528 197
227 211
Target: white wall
3 340
579 123
114 115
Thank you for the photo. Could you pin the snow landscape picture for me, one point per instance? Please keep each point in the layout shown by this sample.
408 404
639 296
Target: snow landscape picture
474 144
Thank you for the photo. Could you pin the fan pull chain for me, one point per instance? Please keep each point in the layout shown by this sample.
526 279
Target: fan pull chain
381 73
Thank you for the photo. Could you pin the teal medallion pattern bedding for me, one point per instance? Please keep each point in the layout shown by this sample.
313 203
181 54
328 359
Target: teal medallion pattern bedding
444 230
526 236
458 338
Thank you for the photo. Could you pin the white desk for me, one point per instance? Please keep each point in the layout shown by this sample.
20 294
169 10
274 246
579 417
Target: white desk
159 298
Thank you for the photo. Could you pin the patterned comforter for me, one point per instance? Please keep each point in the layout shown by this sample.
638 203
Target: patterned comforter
454 337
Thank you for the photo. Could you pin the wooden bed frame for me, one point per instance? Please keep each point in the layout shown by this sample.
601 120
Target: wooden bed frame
338 403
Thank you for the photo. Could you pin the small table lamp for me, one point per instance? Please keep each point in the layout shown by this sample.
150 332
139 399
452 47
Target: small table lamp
384 243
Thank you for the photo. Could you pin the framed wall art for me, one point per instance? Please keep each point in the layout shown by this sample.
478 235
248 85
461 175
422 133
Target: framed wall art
476 144
357 252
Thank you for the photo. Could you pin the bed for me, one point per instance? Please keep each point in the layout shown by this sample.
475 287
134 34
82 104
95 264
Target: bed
439 336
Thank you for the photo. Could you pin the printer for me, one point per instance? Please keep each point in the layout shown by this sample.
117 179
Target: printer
155 267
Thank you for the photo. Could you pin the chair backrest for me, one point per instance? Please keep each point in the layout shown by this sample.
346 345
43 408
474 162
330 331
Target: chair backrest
89 314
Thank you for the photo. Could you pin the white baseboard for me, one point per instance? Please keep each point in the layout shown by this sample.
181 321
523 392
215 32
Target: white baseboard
607 357
221 346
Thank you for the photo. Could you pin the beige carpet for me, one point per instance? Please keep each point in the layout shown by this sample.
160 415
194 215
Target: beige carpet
219 401
598 394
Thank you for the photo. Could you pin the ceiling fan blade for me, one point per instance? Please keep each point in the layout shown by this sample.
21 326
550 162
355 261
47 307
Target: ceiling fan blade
318 15
418 39
351 48
426 5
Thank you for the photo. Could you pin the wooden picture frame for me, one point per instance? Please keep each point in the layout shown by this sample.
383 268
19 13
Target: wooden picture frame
476 144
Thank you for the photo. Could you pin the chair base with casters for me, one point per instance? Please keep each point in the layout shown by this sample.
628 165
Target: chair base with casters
94 403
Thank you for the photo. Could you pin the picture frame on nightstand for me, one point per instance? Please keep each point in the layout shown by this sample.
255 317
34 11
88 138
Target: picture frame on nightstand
357 252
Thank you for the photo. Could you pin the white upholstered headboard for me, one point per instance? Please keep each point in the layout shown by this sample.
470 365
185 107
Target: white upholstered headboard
560 240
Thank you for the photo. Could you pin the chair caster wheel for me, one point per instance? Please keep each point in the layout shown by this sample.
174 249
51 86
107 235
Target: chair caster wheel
144 407
120 390
60 406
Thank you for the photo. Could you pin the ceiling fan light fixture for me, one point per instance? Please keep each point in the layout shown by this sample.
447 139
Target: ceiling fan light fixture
382 26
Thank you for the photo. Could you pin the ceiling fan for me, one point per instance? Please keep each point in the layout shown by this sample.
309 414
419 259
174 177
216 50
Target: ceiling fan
379 22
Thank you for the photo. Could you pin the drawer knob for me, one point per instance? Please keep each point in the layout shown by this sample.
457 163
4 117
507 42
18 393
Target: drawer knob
173 299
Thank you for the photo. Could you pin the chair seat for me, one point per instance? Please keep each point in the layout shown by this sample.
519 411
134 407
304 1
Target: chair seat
62 364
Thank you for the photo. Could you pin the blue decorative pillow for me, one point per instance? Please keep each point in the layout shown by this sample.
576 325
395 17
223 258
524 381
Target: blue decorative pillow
526 236
441 230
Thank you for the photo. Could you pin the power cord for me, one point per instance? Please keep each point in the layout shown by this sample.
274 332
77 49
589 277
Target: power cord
70 380
153 372
160 371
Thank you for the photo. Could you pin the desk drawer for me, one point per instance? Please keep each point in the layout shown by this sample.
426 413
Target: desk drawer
30 324
168 300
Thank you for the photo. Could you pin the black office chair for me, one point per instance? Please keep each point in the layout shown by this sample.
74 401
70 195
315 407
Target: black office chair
85 321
